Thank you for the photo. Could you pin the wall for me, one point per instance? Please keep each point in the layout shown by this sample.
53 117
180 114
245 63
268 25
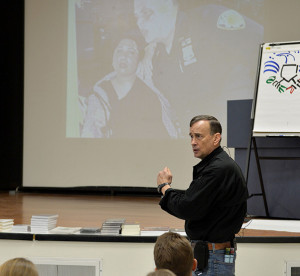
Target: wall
136 259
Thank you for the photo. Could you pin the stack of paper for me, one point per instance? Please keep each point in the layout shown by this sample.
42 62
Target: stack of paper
131 229
21 228
6 225
180 231
43 223
154 231
112 226
64 230
273 225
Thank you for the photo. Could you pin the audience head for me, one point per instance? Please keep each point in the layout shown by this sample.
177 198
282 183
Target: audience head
18 267
174 252
161 272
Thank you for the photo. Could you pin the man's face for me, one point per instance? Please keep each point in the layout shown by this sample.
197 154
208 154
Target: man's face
203 143
155 18
125 59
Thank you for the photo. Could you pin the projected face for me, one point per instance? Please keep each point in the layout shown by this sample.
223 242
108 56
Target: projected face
125 58
155 18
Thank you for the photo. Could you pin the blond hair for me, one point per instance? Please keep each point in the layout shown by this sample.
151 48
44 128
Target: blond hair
18 267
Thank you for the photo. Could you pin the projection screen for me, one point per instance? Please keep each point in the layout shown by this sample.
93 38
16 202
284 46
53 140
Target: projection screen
111 85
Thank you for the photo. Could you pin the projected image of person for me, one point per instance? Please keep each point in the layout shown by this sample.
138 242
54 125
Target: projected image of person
199 57
122 105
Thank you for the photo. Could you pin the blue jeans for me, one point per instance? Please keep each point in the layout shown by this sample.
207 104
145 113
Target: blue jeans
217 266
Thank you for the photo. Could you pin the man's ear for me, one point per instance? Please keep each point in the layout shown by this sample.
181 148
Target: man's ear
217 138
194 265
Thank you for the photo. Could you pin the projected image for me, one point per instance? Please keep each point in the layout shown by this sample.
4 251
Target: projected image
144 68
121 104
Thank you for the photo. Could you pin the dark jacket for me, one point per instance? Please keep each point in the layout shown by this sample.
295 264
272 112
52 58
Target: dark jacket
215 204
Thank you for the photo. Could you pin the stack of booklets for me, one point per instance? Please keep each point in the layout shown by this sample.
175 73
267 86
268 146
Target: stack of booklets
6 225
21 228
112 226
43 223
90 230
131 229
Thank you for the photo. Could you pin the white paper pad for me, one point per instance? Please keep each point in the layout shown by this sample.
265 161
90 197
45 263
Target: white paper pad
275 225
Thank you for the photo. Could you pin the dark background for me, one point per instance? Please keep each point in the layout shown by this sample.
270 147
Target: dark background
12 45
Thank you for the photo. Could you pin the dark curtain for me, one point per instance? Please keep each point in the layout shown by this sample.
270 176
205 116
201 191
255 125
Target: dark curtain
12 45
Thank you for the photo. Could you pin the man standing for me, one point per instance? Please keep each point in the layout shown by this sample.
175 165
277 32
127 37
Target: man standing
214 205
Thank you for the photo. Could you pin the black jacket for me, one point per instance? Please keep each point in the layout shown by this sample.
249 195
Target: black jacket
215 204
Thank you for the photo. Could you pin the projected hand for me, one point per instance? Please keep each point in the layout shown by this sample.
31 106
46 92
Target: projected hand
164 176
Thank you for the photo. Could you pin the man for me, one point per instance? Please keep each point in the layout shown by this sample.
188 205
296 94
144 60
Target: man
214 205
194 47
173 251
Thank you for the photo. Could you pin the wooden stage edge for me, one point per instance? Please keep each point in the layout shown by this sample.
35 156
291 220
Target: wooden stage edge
76 210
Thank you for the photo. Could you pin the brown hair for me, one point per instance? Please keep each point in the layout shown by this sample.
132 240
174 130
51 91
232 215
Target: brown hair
161 272
18 267
173 251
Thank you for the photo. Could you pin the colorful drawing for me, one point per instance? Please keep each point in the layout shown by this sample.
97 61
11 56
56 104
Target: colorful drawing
282 71
277 109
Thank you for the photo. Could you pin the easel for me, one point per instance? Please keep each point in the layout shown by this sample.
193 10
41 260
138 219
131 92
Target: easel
252 141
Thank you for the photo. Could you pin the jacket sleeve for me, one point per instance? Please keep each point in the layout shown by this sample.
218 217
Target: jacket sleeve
195 201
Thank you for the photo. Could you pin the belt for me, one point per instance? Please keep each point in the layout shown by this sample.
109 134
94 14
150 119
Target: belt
219 246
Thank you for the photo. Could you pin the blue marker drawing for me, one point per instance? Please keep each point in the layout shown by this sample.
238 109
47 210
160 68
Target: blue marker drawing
271 66
286 55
